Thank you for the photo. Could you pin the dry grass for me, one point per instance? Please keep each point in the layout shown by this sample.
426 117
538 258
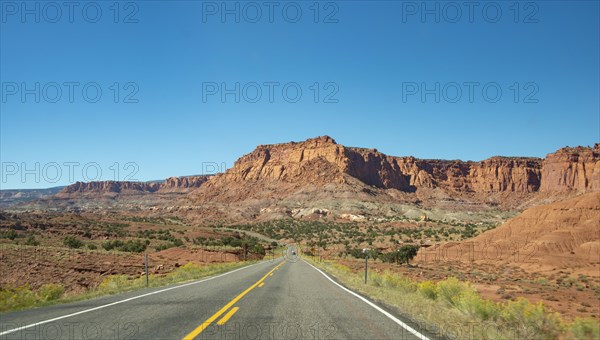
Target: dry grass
18 298
453 308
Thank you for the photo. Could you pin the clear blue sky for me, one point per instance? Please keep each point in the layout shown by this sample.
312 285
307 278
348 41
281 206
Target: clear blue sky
372 55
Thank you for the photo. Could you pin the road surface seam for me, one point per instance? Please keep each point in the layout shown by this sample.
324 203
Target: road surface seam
121 301
390 316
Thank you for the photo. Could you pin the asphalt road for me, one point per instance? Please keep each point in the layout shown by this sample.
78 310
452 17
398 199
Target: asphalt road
282 299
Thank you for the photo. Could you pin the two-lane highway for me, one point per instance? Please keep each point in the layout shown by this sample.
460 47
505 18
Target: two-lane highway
282 299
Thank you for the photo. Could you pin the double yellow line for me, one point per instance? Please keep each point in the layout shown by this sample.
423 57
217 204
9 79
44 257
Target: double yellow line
210 320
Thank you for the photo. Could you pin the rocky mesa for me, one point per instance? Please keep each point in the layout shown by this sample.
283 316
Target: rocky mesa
320 161
572 169
320 169
172 184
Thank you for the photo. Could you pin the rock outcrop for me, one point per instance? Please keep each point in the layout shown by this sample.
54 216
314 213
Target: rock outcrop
171 184
563 233
111 187
284 162
572 169
183 183
319 168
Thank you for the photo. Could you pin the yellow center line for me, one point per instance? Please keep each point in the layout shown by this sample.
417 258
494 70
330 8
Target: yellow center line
210 320
261 284
227 316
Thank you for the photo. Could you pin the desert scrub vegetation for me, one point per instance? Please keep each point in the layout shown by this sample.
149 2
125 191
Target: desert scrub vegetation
72 242
323 234
22 297
238 241
13 298
453 308
132 246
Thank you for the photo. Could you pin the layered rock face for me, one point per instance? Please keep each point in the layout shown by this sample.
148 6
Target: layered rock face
496 174
321 167
572 169
286 162
171 184
563 233
110 187
183 183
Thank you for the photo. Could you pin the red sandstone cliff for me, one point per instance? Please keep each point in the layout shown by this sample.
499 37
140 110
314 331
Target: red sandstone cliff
171 184
572 169
110 187
321 168
322 161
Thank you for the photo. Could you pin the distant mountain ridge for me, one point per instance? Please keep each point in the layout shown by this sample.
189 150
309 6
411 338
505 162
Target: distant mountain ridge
280 177
11 197
171 184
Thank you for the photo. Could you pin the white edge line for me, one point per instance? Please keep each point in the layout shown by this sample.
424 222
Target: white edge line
122 301
393 318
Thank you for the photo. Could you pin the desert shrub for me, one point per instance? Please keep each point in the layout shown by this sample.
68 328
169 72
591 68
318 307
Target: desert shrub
187 272
259 249
451 290
341 268
50 292
407 252
114 283
109 245
72 242
92 246
136 246
16 297
473 305
31 241
23 297
395 281
532 321
376 279
428 289
584 329
9 234
87 233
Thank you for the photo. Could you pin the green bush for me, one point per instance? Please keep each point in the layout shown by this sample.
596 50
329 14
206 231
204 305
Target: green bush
50 292
31 241
259 249
450 290
115 283
407 252
72 242
10 234
12 298
473 305
428 289
584 329
109 245
16 298
532 321
136 246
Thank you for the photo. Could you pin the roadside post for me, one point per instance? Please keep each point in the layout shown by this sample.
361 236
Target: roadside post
366 252
146 264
